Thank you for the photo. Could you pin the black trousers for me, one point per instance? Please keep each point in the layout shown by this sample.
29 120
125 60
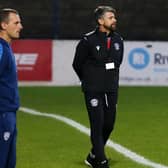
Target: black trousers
101 109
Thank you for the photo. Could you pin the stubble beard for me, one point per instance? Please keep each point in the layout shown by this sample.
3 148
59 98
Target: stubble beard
111 28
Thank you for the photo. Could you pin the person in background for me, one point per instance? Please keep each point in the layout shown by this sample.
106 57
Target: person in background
97 62
10 27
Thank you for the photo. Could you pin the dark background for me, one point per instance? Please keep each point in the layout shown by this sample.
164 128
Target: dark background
69 19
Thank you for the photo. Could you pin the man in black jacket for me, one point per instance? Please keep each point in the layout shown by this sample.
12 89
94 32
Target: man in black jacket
97 61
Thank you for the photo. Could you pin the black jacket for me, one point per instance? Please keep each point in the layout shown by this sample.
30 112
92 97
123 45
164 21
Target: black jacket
91 58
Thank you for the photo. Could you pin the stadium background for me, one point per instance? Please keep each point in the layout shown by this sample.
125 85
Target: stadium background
142 111
52 29
62 19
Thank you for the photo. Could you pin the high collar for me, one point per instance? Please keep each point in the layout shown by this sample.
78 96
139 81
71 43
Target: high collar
4 41
103 34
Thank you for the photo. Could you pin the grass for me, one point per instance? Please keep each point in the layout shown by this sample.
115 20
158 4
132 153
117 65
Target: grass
142 121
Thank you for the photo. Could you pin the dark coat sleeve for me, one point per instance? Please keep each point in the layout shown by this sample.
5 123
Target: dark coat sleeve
3 59
122 50
82 51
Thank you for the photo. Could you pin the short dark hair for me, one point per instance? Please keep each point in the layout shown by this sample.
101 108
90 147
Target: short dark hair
4 14
101 10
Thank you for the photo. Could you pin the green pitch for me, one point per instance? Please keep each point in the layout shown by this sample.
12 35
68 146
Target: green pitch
141 126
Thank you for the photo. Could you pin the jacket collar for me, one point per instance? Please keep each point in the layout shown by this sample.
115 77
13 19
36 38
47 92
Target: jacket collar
4 42
103 34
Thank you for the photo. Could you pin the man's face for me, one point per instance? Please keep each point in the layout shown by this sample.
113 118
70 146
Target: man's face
108 21
13 26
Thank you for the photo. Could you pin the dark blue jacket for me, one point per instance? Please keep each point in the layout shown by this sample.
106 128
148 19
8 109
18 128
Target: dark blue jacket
9 98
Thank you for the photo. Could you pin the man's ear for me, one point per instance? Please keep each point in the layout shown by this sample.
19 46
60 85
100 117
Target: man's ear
100 21
3 25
